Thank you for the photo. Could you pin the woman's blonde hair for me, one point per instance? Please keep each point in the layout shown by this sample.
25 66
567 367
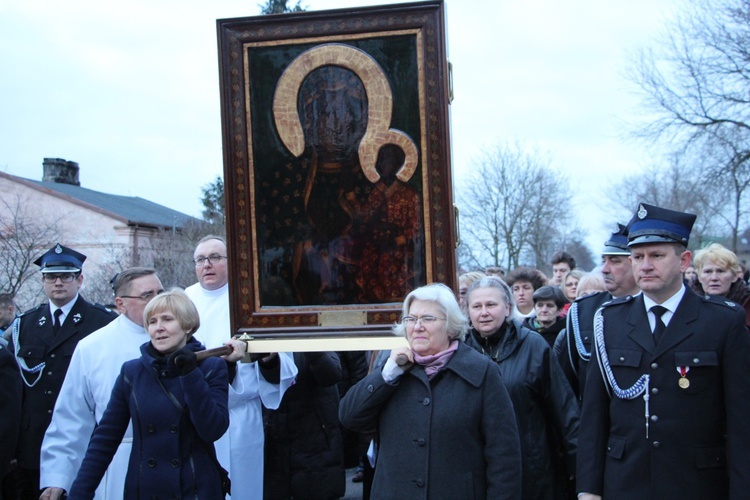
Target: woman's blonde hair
719 255
179 304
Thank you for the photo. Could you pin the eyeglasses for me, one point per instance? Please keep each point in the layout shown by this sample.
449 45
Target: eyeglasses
212 259
53 277
411 321
146 296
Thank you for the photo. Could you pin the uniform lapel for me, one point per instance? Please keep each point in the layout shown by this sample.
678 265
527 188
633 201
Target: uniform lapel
679 327
640 331
43 326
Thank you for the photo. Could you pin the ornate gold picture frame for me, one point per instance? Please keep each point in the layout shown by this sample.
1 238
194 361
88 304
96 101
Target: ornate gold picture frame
337 167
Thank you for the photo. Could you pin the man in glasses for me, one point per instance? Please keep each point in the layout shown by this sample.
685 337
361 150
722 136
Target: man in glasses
256 384
88 384
43 340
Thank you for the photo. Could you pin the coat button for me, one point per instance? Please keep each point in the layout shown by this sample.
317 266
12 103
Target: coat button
420 483
696 360
151 462
622 358
52 356
421 442
654 366
151 428
173 429
49 374
654 390
654 418
175 462
370 388
164 373
49 411
656 444
426 401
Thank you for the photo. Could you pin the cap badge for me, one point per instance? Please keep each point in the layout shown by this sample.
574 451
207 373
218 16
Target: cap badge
642 213
58 249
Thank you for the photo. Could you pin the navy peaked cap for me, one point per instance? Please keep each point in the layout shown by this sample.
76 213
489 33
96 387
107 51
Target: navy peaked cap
61 259
617 244
652 224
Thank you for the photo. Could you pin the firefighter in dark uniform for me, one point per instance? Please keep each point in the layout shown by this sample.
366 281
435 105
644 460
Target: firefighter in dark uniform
43 340
668 394
573 345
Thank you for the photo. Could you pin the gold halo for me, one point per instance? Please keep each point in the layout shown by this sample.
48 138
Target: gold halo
380 106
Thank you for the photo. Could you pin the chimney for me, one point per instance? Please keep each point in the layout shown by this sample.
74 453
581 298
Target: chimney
60 171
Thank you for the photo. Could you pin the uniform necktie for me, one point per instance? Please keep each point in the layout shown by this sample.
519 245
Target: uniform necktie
56 322
659 325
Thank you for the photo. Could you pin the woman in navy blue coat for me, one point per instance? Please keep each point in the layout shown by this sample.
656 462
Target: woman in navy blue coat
178 408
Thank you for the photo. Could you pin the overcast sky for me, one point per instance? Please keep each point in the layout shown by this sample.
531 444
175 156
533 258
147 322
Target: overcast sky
130 90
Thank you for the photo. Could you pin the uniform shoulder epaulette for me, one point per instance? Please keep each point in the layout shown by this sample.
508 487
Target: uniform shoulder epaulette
32 310
619 301
720 301
102 307
590 296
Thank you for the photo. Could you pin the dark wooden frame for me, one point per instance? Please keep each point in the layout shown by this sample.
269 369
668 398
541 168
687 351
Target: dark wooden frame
424 21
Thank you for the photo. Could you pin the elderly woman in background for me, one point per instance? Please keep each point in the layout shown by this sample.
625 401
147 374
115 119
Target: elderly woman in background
547 320
446 425
464 281
524 281
178 408
545 407
719 273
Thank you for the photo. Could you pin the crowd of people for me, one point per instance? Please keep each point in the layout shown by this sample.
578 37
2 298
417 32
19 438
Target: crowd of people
626 381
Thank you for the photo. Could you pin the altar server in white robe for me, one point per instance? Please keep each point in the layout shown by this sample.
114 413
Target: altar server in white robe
256 384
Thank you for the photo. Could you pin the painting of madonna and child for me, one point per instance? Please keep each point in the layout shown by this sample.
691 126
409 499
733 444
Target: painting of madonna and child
337 178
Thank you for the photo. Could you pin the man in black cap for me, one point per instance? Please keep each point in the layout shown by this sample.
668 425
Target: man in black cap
574 343
666 404
43 340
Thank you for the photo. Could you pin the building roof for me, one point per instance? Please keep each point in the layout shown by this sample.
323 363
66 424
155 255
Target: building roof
130 209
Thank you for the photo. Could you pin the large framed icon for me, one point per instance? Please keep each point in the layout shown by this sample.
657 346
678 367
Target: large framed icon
337 168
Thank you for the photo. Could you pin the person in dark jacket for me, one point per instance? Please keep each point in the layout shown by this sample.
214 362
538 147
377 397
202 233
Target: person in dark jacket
545 408
667 396
547 320
354 366
303 449
178 408
10 411
573 345
43 340
445 426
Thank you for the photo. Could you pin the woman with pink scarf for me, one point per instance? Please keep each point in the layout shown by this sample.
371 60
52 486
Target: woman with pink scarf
446 427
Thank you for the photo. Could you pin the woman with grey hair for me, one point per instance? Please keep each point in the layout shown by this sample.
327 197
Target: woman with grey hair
445 423
545 407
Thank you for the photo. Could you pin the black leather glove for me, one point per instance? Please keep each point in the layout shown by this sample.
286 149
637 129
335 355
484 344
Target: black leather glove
184 359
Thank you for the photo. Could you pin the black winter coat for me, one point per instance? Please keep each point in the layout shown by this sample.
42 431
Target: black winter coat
304 450
546 410
452 437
